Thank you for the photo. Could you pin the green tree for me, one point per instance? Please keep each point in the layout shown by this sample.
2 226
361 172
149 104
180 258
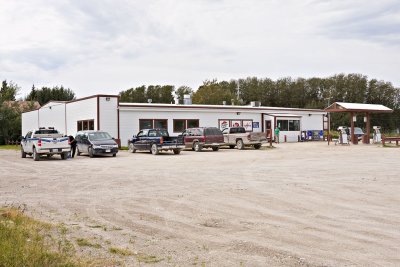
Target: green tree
213 93
8 91
46 94
10 116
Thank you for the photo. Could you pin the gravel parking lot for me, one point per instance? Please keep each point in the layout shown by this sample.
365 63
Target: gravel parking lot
302 204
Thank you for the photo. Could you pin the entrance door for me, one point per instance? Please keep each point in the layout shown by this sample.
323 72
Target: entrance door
268 127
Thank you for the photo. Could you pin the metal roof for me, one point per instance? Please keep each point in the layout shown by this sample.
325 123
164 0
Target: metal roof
357 107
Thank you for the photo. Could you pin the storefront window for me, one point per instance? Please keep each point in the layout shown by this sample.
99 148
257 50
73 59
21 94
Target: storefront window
289 125
283 125
192 123
179 126
145 124
161 124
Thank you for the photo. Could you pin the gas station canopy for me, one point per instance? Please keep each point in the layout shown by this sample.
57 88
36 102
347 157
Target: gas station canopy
353 108
357 107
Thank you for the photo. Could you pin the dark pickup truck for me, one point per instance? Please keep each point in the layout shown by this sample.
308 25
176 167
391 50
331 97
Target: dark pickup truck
155 140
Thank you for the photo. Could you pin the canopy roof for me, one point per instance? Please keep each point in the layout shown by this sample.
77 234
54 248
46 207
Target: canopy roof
358 107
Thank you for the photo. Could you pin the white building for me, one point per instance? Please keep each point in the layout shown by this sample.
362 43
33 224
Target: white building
122 120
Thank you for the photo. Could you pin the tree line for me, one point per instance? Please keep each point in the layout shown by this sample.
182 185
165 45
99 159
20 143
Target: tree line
316 93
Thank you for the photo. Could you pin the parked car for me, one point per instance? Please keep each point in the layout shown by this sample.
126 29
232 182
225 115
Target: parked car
155 140
44 141
357 132
203 137
95 143
237 136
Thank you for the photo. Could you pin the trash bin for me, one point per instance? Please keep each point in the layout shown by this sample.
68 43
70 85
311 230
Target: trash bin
365 139
355 139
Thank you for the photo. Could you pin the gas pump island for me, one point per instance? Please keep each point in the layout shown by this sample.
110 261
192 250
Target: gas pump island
354 108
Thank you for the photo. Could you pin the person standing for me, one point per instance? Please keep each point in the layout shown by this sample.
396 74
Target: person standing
72 142
277 131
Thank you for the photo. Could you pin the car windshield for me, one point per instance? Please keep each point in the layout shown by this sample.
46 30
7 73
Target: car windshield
96 136
46 131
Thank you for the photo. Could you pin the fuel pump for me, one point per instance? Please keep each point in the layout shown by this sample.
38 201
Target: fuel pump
343 135
377 134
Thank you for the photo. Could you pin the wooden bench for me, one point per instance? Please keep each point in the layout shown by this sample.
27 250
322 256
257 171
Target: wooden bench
390 139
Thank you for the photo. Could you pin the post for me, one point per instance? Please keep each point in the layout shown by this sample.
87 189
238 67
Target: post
368 127
270 137
329 127
352 128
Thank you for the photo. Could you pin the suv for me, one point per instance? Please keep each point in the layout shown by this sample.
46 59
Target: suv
95 143
203 137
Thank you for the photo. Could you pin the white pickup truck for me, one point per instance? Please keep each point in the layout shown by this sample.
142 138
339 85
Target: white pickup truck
237 136
44 141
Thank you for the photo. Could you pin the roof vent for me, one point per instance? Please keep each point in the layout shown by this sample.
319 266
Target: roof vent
149 100
187 99
224 103
255 103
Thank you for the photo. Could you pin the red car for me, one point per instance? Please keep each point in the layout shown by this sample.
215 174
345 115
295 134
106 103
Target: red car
203 137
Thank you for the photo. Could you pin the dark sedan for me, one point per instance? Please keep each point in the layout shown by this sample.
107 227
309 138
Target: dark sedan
95 143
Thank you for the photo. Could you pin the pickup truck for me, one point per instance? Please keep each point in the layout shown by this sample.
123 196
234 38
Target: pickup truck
155 140
237 136
45 141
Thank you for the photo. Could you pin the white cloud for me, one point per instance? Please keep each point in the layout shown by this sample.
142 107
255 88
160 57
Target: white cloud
108 46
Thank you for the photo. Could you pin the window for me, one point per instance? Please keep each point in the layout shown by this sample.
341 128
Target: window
180 125
145 124
153 124
289 125
85 125
161 124
294 125
192 123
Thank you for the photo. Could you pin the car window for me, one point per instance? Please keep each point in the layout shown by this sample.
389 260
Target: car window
28 135
163 133
225 131
240 130
97 136
143 133
46 131
152 133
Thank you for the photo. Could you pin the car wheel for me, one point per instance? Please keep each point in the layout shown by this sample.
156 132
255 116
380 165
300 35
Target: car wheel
197 147
78 153
154 149
35 155
114 155
177 151
131 148
90 151
258 146
215 148
231 147
64 156
23 154
239 144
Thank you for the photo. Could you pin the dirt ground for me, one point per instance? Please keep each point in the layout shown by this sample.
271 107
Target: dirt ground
302 204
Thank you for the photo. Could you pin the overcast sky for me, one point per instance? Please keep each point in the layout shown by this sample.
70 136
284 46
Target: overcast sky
94 46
